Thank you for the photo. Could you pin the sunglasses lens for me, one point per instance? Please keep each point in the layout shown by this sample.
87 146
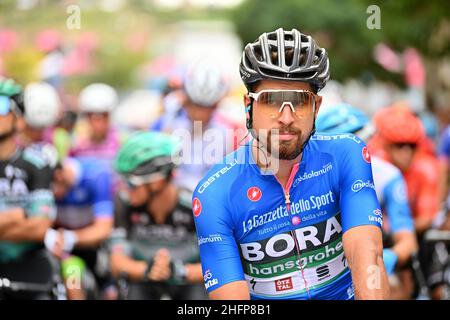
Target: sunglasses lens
271 101
402 145
5 105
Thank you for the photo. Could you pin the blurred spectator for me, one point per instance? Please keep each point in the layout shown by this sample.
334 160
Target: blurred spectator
399 133
42 110
193 110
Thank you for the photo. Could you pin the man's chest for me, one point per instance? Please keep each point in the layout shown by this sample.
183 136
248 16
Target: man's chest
268 208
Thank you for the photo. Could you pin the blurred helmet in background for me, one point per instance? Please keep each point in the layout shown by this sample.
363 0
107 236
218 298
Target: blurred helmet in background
146 154
205 83
98 98
285 55
42 105
397 124
341 118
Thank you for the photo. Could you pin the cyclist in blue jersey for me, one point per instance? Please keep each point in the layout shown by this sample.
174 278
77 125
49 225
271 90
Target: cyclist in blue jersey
83 190
309 228
398 231
444 157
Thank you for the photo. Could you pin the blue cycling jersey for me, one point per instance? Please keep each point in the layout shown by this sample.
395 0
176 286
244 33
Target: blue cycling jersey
444 146
391 191
91 196
286 242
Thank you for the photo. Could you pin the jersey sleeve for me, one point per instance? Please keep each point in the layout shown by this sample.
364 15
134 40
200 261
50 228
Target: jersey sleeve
444 146
219 253
118 239
41 202
102 200
397 207
358 200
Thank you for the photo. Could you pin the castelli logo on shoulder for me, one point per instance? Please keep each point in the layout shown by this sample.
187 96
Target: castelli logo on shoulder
254 193
366 154
196 207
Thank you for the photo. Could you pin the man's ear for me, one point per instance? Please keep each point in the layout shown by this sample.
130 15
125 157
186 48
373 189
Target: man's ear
247 100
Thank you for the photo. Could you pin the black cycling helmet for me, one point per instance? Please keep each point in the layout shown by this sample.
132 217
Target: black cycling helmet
285 55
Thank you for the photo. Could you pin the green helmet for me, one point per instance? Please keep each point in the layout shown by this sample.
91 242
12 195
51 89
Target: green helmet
9 88
145 154
12 90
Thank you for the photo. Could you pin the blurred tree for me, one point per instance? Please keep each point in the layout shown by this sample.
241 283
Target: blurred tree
341 27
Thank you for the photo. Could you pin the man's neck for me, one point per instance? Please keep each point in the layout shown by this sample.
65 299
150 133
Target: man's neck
281 168
7 148
163 203
285 170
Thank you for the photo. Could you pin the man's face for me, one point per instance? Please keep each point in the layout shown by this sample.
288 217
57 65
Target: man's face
6 123
281 126
142 194
198 113
99 123
401 154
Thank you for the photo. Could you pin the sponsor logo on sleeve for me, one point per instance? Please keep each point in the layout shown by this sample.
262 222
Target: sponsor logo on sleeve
209 280
376 216
366 154
254 194
196 207
359 184
209 239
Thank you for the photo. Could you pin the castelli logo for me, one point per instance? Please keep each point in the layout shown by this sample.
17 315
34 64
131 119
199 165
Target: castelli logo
366 154
254 193
196 207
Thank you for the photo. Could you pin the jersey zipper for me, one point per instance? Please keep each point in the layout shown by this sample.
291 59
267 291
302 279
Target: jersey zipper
287 188
287 201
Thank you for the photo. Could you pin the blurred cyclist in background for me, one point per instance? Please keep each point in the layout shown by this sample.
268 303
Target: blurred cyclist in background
82 188
195 110
444 157
397 139
99 139
61 135
154 244
27 206
398 226
42 111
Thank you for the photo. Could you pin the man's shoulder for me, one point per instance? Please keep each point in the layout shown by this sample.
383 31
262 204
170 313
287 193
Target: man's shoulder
334 140
339 145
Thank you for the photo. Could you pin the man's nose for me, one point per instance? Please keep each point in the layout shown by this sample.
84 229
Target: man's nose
286 115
